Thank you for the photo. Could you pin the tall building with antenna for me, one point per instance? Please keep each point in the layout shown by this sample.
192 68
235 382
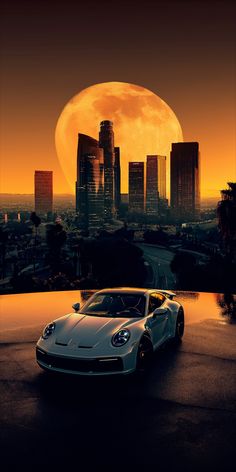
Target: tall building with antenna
106 142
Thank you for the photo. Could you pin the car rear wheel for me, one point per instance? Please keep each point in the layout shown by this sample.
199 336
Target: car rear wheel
179 327
144 354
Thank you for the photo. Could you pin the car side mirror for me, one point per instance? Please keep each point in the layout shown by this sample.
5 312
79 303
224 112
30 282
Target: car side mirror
159 311
76 307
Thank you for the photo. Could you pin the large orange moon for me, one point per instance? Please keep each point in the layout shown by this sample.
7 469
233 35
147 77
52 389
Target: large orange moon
143 124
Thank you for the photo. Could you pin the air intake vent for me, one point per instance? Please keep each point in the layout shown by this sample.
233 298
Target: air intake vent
60 344
85 347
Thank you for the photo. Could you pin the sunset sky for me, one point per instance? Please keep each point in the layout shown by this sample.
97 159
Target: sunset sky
51 50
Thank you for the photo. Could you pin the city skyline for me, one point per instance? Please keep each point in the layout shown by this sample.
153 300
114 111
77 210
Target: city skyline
97 186
194 73
92 171
146 181
91 180
98 193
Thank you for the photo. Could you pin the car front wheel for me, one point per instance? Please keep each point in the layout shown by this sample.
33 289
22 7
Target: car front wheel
179 327
144 354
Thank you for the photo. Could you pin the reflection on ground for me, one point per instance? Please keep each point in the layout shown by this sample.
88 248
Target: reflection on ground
31 311
227 303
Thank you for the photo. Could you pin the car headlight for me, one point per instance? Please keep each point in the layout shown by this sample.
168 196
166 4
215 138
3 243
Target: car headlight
48 330
121 337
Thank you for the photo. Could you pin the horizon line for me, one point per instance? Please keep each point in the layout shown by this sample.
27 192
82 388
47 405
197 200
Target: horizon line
73 195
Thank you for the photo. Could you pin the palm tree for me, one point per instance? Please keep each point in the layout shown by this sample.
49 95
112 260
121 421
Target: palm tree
226 212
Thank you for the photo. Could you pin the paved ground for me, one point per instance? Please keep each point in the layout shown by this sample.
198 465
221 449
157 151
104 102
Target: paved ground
181 413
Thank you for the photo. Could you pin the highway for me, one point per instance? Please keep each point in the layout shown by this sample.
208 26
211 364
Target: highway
159 259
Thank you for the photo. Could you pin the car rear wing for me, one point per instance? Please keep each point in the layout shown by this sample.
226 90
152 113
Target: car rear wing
168 294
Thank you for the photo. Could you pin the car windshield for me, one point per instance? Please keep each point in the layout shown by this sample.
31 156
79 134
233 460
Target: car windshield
115 305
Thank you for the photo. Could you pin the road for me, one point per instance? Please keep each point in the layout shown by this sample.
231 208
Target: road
181 414
159 259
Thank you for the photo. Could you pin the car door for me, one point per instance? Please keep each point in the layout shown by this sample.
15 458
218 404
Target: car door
157 324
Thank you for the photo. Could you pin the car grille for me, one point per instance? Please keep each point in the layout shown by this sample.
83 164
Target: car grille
112 364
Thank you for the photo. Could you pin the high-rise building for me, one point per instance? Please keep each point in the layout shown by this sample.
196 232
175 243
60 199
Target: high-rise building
151 185
117 179
161 172
86 145
43 191
136 187
184 175
90 183
106 142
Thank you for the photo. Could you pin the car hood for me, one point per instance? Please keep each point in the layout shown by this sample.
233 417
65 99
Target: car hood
87 331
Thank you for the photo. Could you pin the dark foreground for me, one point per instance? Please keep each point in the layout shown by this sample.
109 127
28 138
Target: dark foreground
181 415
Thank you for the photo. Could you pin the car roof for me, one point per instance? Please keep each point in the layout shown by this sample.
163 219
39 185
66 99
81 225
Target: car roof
138 291
127 290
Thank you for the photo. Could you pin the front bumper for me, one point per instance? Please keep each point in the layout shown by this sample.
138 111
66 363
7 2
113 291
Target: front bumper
83 365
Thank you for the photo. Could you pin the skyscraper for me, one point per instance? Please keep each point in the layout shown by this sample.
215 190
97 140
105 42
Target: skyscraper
90 183
161 172
106 141
136 186
117 179
43 191
184 173
151 186
86 145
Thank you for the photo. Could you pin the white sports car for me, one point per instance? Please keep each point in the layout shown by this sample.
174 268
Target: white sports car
115 332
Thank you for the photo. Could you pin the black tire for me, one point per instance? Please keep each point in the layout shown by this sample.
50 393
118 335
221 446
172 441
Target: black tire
179 327
145 351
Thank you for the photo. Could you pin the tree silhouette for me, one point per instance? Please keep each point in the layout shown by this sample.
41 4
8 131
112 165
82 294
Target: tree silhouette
36 220
112 262
184 265
3 244
226 212
55 238
155 237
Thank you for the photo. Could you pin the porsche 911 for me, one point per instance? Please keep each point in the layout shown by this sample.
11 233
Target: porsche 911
114 332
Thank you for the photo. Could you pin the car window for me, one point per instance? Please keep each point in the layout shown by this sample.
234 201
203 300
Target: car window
155 301
101 302
116 304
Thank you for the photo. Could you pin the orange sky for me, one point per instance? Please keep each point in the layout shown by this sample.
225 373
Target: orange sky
186 58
